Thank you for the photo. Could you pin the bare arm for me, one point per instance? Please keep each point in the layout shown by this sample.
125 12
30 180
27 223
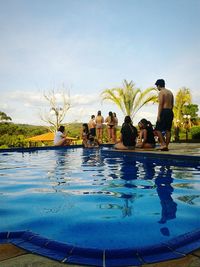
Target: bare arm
160 104
63 135
144 136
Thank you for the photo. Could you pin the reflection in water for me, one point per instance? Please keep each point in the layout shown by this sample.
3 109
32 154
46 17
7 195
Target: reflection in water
131 179
165 190
62 170
123 179
91 157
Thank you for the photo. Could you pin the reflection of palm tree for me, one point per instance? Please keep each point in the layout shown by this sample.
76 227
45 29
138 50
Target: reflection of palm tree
164 190
128 98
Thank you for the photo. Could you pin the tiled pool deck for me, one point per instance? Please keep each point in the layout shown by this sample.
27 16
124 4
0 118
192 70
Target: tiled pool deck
12 256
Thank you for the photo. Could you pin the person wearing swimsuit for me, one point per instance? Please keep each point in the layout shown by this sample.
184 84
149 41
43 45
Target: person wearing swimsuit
128 135
165 114
110 120
92 126
99 126
146 135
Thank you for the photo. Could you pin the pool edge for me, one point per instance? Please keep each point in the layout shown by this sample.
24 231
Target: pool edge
66 253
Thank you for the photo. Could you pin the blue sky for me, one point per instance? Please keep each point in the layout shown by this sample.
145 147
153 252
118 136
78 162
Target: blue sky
92 45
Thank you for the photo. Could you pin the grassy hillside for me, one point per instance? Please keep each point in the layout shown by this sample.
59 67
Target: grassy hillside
15 135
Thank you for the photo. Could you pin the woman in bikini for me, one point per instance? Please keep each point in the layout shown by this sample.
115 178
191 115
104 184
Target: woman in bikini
110 120
146 135
99 126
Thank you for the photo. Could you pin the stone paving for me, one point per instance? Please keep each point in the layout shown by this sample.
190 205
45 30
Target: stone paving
12 256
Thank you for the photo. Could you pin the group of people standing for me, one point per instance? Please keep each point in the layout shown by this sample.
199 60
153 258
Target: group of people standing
94 128
92 132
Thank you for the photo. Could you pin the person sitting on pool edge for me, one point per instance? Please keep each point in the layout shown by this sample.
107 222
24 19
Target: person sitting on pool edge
85 133
146 135
92 142
128 135
60 137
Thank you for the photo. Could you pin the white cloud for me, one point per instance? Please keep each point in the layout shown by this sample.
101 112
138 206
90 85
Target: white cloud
79 99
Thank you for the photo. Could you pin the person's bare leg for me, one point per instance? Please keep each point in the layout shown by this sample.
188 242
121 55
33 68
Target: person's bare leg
168 137
120 145
98 134
113 138
161 139
108 134
101 135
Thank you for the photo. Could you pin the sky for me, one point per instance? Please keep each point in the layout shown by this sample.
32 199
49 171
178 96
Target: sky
87 46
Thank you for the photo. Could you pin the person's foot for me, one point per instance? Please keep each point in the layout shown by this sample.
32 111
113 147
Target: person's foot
164 148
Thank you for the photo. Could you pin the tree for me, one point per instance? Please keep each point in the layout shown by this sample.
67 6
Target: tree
59 104
130 99
182 98
4 117
191 110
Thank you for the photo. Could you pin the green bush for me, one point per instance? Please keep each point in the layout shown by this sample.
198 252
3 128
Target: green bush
195 132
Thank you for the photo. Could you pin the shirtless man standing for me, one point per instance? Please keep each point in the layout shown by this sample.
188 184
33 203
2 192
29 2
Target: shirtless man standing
165 114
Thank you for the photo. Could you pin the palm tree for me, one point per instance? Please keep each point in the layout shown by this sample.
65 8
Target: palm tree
182 98
129 98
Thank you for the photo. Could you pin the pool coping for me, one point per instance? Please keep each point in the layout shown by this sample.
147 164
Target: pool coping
174 248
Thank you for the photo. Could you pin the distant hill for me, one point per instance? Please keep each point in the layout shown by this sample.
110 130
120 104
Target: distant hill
15 135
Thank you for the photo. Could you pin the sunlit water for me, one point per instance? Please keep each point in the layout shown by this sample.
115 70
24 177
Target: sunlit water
98 198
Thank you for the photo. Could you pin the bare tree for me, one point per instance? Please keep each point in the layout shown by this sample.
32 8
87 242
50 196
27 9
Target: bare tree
59 104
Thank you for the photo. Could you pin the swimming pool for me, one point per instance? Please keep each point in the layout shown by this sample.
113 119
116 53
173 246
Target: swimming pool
101 199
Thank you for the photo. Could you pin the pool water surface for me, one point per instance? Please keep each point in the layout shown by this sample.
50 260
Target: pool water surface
99 198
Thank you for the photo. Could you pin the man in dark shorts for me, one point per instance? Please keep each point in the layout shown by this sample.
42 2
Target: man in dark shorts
165 114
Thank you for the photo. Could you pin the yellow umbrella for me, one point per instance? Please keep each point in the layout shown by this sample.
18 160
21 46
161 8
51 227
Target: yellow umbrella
47 137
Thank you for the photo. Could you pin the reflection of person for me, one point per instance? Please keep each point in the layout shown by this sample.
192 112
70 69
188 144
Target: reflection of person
60 137
164 190
165 114
92 126
146 135
99 126
128 135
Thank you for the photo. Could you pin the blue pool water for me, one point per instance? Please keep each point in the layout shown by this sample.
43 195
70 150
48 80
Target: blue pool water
99 198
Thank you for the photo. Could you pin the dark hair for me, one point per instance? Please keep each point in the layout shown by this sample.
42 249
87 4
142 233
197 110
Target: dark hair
160 82
111 116
61 129
92 117
127 119
99 113
86 126
146 123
